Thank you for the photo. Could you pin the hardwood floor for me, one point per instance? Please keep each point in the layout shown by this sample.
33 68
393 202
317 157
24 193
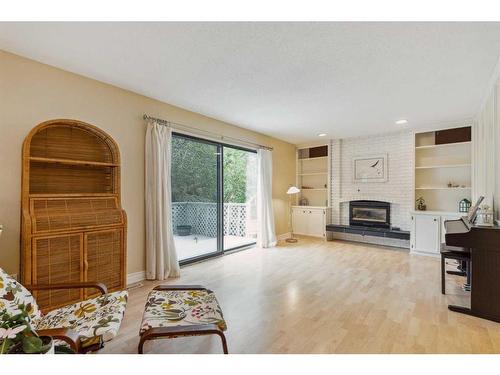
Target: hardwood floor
324 297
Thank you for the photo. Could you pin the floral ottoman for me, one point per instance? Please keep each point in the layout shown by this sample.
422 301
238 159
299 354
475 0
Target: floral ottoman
181 310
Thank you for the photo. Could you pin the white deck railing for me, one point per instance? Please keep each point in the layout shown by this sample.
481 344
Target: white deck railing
202 217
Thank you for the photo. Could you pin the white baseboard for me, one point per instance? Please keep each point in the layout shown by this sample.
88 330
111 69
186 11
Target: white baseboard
284 236
136 277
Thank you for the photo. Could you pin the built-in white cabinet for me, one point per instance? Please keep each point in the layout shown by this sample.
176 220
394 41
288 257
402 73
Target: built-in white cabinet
310 221
425 233
428 231
443 168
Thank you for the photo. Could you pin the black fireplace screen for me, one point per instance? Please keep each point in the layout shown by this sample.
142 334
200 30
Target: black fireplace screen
369 213
376 215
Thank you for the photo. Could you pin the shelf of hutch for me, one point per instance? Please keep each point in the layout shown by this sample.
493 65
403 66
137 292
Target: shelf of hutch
73 226
72 162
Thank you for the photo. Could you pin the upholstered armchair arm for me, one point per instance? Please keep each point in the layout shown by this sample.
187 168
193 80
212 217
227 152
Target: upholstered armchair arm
77 285
64 334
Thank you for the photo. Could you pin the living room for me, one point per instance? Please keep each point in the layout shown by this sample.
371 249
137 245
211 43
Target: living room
249 188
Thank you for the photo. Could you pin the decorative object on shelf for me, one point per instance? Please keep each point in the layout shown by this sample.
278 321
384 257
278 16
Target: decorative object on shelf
370 168
450 184
485 216
306 187
292 190
421 206
464 205
303 202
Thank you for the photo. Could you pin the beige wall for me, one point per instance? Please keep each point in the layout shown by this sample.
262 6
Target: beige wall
31 93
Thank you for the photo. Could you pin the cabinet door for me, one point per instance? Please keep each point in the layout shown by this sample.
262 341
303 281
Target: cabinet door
56 260
104 259
426 234
315 223
299 221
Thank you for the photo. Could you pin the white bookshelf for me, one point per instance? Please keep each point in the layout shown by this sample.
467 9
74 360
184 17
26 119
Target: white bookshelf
437 165
313 175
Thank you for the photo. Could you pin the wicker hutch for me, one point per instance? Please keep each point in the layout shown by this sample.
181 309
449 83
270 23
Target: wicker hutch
73 227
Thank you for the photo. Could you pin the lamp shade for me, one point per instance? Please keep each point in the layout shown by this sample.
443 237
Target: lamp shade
293 190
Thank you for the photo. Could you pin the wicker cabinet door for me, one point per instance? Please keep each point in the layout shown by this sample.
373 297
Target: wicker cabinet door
104 258
58 259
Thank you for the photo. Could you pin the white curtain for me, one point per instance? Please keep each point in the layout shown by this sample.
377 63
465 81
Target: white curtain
266 235
161 256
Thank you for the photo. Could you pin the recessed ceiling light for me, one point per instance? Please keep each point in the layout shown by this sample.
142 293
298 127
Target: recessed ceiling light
322 135
401 122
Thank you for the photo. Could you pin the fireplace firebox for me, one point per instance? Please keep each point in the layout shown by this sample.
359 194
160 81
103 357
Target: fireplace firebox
370 214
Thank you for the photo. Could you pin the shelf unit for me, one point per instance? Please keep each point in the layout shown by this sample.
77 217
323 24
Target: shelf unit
444 166
72 223
443 157
313 175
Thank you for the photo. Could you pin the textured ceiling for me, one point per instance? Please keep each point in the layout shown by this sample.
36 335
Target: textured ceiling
288 80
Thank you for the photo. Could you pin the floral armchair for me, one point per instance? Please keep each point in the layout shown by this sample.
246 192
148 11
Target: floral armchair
84 326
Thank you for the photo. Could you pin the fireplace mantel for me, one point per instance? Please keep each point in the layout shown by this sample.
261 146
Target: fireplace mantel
365 198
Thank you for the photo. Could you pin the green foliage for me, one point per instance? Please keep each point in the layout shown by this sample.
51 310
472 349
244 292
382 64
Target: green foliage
194 172
235 175
16 334
32 345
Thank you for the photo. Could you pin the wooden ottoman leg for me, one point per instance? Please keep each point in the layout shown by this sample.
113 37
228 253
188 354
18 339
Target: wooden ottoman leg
224 342
141 345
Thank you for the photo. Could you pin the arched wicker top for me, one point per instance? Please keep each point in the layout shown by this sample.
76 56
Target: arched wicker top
72 140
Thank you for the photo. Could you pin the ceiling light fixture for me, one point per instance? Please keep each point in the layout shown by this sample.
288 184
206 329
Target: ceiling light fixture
322 135
401 122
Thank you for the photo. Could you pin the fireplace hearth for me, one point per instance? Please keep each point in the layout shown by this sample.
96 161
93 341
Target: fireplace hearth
373 214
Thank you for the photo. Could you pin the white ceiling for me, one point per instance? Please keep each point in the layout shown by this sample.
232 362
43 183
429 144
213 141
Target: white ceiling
288 80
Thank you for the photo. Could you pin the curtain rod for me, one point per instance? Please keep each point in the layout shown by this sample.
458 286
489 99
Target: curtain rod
193 129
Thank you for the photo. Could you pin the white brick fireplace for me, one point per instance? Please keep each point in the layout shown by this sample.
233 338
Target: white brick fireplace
398 190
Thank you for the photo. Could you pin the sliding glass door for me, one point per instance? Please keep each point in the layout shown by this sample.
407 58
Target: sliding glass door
240 197
213 197
195 197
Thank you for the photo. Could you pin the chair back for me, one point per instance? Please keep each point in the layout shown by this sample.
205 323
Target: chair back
13 294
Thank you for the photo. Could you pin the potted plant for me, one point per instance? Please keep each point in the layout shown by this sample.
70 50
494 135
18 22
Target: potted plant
17 337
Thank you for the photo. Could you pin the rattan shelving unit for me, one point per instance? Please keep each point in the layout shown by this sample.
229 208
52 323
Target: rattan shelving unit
73 227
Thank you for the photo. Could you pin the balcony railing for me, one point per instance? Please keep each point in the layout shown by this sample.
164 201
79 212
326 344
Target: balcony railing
202 218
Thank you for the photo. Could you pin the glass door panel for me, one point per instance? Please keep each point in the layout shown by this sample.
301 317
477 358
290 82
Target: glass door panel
196 197
240 193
